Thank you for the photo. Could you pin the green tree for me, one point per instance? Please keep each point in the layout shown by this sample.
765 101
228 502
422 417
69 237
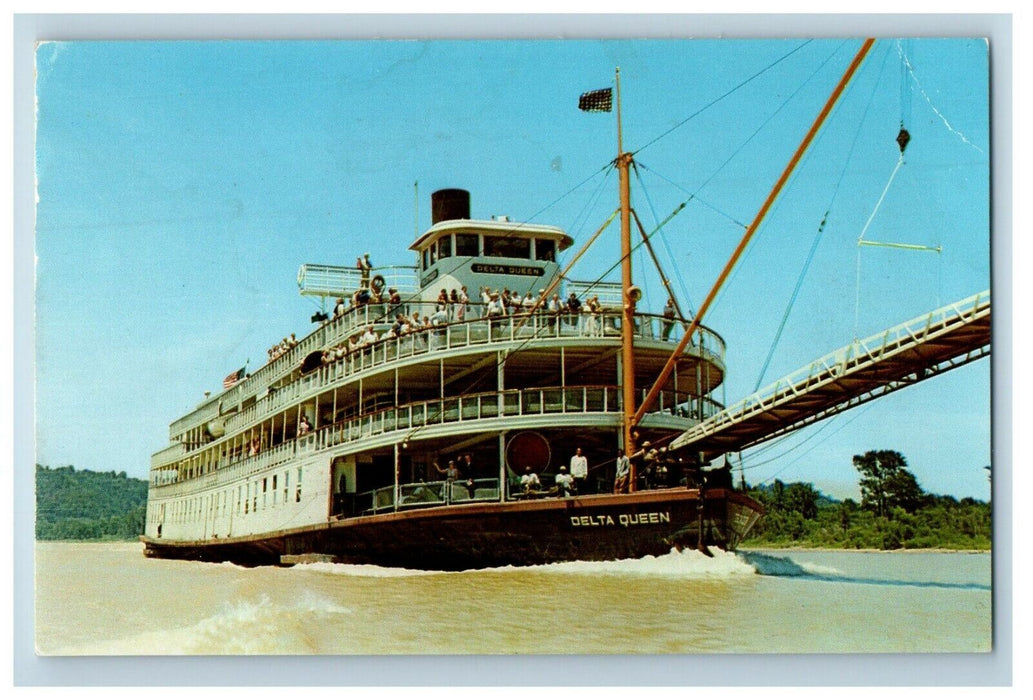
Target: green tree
886 483
803 499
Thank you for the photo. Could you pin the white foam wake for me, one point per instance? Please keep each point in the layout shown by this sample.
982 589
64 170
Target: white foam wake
684 564
253 626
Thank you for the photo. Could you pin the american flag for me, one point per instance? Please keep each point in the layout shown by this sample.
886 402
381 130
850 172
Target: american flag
232 378
596 101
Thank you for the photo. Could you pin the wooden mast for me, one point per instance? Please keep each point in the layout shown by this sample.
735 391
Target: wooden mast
629 296
647 402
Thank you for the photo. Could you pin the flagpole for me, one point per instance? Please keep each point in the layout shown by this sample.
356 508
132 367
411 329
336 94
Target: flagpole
628 296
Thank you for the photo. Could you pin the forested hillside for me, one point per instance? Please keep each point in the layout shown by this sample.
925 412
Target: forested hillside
86 505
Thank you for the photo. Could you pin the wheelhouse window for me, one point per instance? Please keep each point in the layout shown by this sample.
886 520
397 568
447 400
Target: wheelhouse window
445 247
545 249
507 247
466 244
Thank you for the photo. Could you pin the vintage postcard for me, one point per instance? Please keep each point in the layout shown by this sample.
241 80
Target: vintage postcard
579 347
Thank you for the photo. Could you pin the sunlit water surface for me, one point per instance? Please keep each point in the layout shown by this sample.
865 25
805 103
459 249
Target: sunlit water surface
109 599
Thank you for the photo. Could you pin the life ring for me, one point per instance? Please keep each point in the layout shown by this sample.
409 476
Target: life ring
377 284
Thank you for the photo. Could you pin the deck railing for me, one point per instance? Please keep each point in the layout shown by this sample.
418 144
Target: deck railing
421 494
409 419
458 335
472 329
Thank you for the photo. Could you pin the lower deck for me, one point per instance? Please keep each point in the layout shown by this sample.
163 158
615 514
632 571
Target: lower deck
514 533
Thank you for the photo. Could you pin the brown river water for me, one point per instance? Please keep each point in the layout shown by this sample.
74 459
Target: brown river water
107 599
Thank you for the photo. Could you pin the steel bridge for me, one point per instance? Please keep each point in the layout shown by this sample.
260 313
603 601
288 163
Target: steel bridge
924 347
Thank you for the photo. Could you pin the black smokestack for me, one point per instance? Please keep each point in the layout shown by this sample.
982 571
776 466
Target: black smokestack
446 205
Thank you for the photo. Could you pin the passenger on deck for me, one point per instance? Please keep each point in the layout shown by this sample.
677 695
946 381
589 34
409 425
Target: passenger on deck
594 325
565 483
529 481
255 445
393 296
620 483
369 337
440 317
555 307
495 306
461 301
340 308
528 303
668 318
579 470
304 427
574 309
365 267
451 472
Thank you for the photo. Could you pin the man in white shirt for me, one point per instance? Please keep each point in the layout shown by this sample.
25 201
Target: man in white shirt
579 470
564 483
529 481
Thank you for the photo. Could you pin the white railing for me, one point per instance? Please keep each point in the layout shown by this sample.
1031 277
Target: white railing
341 281
453 336
169 455
418 415
850 358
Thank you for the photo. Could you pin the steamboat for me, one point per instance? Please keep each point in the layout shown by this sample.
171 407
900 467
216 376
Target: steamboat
404 443
478 409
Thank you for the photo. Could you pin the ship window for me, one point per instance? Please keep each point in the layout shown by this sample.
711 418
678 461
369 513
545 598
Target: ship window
286 484
544 249
297 491
426 258
506 247
466 244
445 247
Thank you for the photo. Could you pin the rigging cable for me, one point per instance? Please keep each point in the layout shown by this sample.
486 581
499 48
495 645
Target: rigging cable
821 227
718 99
739 149
663 239
903 138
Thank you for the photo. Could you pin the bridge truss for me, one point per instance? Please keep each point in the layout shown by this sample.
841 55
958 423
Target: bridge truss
924 347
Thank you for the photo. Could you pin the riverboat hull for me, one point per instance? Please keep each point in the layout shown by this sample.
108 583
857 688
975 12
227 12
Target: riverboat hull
483 535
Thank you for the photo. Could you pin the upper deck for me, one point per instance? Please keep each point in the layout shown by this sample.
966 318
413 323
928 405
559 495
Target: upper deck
286 381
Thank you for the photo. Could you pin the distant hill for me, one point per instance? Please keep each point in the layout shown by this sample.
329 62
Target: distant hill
87 505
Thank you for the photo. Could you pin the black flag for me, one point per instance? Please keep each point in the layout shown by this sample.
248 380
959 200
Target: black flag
596 101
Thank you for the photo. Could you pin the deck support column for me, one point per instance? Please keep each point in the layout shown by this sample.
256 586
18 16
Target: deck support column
397 487
502 466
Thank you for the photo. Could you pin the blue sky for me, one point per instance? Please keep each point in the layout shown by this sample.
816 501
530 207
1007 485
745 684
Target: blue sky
182 184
